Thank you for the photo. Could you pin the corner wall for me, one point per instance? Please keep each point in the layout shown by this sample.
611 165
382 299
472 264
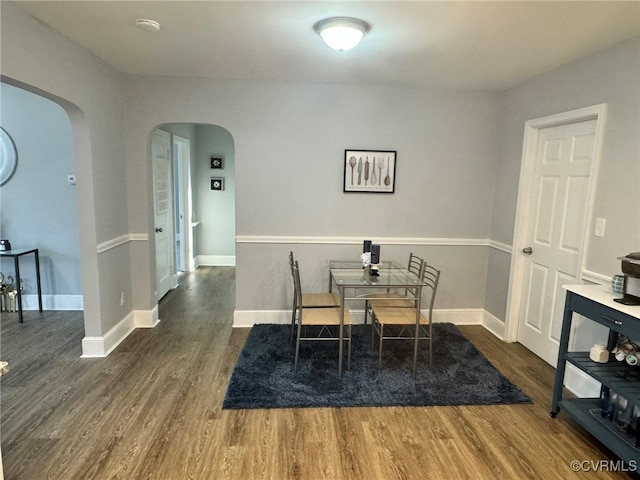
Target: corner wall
41 60
612 77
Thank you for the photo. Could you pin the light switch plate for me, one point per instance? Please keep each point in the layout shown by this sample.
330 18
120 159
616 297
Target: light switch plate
600 226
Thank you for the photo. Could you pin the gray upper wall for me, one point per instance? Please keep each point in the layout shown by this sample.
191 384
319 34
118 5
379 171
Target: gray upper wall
290 141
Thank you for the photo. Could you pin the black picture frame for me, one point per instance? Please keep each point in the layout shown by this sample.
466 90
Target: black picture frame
217 184
369 171
217 162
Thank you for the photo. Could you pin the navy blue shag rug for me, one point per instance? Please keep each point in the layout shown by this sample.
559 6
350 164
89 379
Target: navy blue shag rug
461 375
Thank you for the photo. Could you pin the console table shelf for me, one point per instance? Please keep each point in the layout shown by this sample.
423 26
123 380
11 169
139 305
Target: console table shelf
585 411
618 376
595 303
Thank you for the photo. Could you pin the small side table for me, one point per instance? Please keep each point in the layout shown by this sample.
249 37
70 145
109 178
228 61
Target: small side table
16 253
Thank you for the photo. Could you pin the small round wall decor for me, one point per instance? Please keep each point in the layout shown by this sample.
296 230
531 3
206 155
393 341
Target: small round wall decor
8 156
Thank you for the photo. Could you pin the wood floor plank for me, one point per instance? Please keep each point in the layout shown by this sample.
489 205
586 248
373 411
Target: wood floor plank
152 410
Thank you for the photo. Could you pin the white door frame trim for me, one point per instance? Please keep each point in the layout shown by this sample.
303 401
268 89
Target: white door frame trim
184 195
527 171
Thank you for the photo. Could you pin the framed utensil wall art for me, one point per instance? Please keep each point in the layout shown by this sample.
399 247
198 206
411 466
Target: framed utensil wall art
369 171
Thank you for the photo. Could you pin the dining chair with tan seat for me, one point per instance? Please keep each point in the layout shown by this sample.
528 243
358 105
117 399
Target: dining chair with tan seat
318 324
309 300
400 322
405 298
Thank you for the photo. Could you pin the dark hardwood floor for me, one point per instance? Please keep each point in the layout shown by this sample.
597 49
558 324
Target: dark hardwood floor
152 410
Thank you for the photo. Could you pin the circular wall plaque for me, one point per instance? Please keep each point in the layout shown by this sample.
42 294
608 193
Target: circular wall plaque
8 156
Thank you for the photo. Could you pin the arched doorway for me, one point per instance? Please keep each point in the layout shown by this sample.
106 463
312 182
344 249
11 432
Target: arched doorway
204 192
67 251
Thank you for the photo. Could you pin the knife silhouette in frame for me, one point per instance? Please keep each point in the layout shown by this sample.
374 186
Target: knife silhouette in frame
374 180
360 171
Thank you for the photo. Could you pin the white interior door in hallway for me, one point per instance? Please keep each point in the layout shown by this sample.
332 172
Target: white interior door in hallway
166 278
554 241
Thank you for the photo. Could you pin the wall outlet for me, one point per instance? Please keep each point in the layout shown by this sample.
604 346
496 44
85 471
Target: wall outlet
600 226
122 299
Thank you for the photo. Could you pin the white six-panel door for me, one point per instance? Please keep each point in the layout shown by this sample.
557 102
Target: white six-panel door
163 211
556 227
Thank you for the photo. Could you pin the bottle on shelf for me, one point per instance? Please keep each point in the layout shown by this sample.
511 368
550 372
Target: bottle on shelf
624 414
635 422
608 403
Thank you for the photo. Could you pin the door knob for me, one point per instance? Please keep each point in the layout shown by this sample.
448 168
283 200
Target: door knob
158 229
527 250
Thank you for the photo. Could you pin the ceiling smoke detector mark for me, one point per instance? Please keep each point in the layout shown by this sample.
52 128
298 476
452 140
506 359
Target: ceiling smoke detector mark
147 25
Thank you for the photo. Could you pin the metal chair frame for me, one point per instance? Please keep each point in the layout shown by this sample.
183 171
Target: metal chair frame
309 300
400 321
324 318
414 265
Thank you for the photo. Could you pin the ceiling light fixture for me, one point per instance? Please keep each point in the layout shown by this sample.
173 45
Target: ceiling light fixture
341 33
146 24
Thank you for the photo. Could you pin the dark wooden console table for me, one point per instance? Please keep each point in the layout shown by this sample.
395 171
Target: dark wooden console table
16 253
596 303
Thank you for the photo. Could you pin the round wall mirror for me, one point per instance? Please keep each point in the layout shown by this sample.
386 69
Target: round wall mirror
8 156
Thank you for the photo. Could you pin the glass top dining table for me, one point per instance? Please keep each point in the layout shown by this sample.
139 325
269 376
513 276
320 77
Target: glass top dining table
353 283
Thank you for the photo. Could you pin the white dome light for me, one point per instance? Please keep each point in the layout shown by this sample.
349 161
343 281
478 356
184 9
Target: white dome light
147 25
341 33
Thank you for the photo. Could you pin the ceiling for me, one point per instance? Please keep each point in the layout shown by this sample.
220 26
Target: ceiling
464 45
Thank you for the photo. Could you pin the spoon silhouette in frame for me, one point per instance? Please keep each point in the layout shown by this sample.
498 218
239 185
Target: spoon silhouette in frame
352 162
374 180
380 167
387 179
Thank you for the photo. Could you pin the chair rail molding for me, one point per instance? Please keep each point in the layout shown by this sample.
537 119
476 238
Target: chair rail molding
121 240
327 240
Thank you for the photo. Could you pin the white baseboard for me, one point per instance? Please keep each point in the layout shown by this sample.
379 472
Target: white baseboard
493 324
146 318
459 316
248 318
215 261
53 302
93 347
98 347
